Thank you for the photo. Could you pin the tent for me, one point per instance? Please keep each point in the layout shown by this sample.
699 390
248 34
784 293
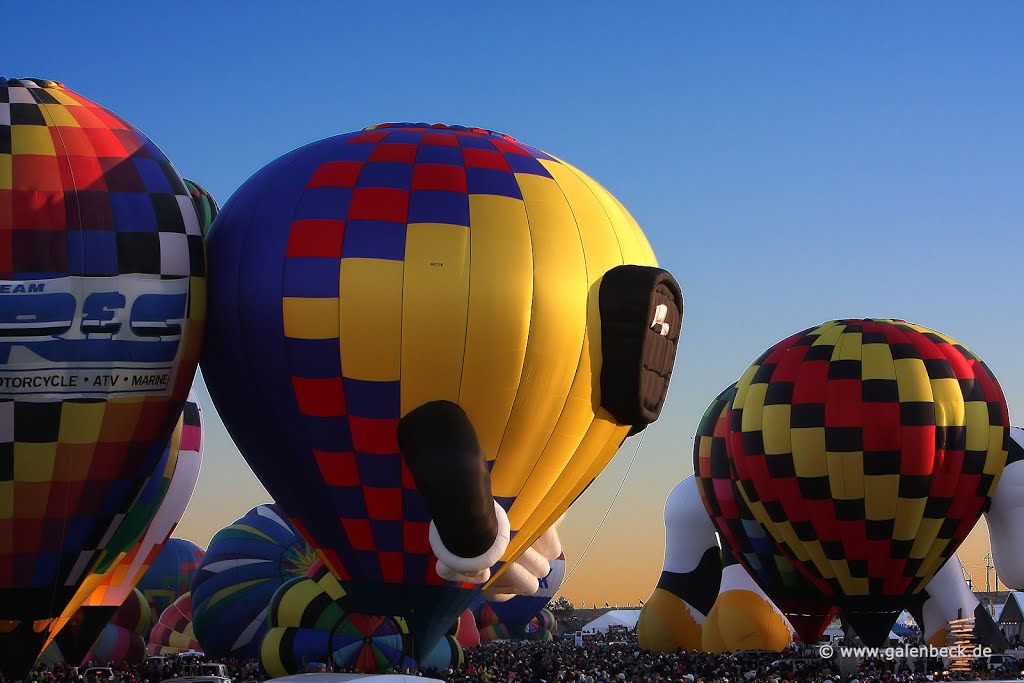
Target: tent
1011 617
618 617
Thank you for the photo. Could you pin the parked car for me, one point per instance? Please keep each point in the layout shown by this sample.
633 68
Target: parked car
98 674
213 669
197 679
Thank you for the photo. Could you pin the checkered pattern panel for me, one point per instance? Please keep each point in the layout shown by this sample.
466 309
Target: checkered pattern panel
748 540
357 206
83 193
868 449
751 545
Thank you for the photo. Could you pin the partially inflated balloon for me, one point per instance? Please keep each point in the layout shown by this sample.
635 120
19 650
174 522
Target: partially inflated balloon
170 575
173 633
868 449
102 307
465 630
408 311
243 567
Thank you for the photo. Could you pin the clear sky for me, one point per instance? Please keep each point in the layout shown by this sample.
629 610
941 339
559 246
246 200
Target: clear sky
791 162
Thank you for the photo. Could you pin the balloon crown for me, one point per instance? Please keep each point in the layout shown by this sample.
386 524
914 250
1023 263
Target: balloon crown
30 82
442 126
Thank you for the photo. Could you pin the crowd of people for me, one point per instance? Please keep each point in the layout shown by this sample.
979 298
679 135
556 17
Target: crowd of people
153 670
602 659
620 660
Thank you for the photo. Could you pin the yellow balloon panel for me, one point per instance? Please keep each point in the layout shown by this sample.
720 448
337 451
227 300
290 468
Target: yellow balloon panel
666 624
743 620
435 301
558 321
498 322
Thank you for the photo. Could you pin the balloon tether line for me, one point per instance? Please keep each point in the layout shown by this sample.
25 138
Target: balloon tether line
608 511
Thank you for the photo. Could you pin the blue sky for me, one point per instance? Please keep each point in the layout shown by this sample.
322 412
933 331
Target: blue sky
791 162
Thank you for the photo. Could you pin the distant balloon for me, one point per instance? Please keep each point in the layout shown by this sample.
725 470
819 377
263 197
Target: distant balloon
517 613
542 626
411 310
123 639
868 450
173 632
490 625
243 567
102 308
206 206
170 575
465 630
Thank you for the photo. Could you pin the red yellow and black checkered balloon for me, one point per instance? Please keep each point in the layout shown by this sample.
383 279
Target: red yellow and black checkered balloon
868 449
809 611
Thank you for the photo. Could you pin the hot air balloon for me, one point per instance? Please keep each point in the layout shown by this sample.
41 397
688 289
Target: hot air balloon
743 617
173 632
243 567
490 625
308 622
518 612
427 341
206 206
123 638
170 575
102 307
465 630
868 450
673 617
809 611
149 522
542 626
446 654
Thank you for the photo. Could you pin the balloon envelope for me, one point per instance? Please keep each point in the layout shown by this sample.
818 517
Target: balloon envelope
102 307
516 613
241 570
868 450
809 610
123 638
173 633
170 575
114 575
366 275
